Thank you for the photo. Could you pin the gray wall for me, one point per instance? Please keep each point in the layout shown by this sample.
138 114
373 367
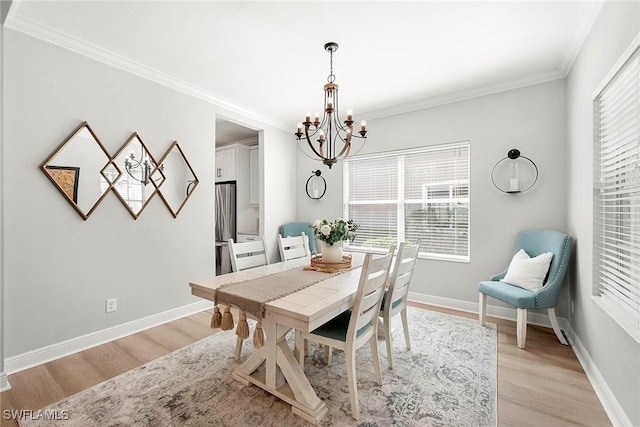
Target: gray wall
530 119
615 354
60 269
278 198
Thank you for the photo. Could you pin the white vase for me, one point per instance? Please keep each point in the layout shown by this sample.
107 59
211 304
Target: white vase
332 253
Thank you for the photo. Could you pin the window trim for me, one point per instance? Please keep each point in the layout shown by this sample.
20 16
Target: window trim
607 306
401 201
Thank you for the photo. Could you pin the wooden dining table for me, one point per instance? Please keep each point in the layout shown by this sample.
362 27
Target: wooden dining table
303 310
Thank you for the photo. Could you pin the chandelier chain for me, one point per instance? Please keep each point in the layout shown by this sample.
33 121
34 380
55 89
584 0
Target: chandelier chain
332 77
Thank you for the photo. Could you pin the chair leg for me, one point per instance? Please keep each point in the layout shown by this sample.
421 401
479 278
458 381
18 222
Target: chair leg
327 354
556 327
482 309
386 331
522 327
353 383
376 358
405 326
238 348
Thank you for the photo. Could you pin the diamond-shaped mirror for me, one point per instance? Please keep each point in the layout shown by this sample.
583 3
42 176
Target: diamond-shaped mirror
180 180
75 168
133 186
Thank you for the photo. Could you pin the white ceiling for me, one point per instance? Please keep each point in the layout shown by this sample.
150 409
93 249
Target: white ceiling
267 57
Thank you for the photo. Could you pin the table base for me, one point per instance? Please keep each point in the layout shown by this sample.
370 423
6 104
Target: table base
283 375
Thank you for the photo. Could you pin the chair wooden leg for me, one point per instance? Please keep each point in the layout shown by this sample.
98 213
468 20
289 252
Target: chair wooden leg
376 358
405 326
556 327
327 354
386 331
353 383
522 327
482 309
238 348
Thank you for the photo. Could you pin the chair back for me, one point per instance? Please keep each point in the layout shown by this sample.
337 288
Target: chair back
364 316
536 242
248 254
406 261
293 247
295 228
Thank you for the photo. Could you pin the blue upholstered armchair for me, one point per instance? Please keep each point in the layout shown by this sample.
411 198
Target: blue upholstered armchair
295 228
534 243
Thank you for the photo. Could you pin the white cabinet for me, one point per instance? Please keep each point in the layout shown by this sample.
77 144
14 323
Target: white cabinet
226 165
254 177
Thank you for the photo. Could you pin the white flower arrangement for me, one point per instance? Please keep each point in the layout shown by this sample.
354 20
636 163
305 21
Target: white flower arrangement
334 232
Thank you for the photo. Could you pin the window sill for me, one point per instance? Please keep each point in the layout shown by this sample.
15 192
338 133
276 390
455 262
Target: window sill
421 255
625 324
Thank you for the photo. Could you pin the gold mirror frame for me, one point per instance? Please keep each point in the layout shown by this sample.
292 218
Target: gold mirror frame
66 178
189 185
135 138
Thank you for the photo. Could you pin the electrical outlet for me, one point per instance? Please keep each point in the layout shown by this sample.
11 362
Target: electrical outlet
112 305
572 311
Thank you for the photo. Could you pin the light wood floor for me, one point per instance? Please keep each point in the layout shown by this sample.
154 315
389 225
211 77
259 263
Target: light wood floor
542 385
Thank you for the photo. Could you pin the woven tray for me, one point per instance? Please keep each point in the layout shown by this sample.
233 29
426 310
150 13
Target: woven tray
317 264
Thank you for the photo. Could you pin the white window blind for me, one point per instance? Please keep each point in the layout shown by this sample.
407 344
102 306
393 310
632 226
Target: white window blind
412 194
617 194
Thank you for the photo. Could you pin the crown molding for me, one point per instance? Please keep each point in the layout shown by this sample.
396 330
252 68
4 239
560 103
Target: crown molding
461 95
90 50
588 15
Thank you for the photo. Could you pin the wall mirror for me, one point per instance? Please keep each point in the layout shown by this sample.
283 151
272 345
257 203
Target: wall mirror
134 185
75 169
179 179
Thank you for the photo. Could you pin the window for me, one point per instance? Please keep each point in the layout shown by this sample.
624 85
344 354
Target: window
411 194
617 193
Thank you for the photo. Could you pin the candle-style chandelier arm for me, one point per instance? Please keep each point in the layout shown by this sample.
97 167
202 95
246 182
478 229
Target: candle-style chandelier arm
131 163
307 136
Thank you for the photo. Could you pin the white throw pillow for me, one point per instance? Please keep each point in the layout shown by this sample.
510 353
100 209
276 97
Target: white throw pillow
526 272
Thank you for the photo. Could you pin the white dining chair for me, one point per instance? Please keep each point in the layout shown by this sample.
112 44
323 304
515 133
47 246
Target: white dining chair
395 298
354 328
293 247
247 255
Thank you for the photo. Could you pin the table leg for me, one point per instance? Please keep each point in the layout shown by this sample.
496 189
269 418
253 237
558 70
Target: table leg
283 376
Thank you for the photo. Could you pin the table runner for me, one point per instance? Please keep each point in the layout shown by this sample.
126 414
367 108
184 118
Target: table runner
251 295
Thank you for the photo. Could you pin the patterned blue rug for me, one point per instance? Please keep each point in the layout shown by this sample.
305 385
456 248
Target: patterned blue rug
448 378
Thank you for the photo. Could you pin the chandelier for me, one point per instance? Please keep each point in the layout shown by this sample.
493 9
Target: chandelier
140 169
329 139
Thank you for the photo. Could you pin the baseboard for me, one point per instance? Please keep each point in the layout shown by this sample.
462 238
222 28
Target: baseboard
55 351
4 382
492 310
614 411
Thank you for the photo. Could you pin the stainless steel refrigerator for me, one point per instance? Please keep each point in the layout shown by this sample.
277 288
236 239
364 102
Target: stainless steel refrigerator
225 224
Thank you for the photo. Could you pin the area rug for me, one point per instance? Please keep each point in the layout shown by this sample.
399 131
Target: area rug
448 378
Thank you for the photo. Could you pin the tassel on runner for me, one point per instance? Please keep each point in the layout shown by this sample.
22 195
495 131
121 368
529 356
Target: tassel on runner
216 319
258 336
227 320
243 327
